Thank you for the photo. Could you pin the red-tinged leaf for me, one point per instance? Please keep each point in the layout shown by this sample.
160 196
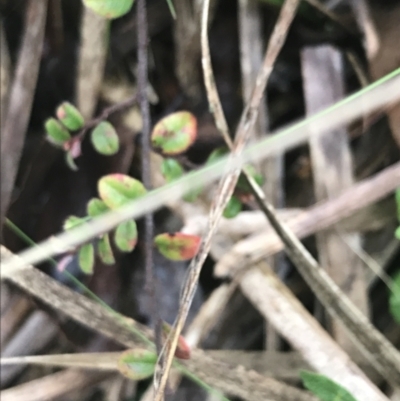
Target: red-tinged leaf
73 221
74 146
86 258
105 139
104 250
137 364
56 133
70 116
118 189
109 9
233 208
175 133
96 207
126 235
182 350
177 246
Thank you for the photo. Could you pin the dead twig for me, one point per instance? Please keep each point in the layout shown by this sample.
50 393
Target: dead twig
92 58
318 217
228 182
20 99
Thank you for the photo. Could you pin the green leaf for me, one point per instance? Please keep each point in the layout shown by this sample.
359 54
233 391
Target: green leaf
126 235
216 155
104 250
397 233
86 258
96 207
175 133
397 195
233 208
73 221
70 116
171 169
105 139
118 189
394 298
177 246
70 161
324 388
56 133
137 364
109 8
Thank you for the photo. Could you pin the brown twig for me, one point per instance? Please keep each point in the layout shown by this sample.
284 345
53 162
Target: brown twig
228 182
314 219
21 99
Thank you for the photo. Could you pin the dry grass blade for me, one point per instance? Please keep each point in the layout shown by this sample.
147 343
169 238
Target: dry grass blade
384 91
228 181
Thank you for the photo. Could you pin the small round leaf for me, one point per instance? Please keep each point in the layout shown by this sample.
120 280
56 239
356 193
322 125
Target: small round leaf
126 235
96 207
86 258
216 155
118 189
109 8
105 139
171 169
104 250
177 246
137 364
70 116
175 133
73 221
56 133
233 208
394 299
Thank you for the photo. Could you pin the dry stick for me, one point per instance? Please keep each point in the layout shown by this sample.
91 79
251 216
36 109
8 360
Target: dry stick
227 184
142 32
381 92
316 218
120 328
92 58
332 172
5 73
278 304
251 44
381 353
21 98
54 386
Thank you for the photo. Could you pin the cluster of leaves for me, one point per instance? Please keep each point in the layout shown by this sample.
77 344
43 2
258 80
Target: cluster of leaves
63 132
171 137
115 191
